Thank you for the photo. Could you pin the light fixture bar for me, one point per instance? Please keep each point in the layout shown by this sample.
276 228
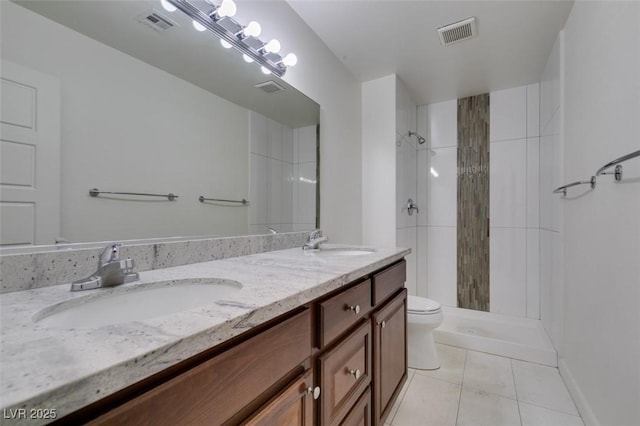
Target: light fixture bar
271 61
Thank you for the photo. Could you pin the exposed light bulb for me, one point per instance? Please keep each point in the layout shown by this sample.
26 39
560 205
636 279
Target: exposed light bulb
247 58
227 8
225 44
168 6
290 60
198 26
273 46
252 29
265 70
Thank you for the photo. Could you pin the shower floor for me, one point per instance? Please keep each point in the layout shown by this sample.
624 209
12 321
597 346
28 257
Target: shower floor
518 338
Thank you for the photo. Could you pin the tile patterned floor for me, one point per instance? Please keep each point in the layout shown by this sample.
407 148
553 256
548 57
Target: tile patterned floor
477 389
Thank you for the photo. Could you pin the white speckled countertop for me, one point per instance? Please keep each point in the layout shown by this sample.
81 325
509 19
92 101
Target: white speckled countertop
65 370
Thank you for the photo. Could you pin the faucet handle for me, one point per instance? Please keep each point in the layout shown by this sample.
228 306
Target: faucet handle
315 234
110 253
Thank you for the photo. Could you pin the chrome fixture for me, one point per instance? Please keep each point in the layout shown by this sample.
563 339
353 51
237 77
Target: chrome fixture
95 192
617 172
411 207
111 270
314 240
243 201
421 140
272 230
563 188
218 20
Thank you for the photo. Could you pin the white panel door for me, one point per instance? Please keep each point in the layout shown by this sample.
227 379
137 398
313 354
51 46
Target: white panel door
29 156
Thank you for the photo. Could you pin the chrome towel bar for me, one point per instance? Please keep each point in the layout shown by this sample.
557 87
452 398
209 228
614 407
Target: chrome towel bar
563 188
95 192
243 201
618 170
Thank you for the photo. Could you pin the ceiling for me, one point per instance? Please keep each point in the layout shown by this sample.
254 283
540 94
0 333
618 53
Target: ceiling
377 38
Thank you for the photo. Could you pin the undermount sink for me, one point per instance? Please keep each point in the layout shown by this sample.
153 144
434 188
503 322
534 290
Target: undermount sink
346 251
134 303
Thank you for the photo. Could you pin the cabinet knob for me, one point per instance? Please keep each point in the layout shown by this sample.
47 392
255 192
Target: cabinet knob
383 324
355 309
355 373
314 391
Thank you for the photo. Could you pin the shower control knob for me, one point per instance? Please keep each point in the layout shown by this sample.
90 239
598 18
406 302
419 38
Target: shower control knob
355 309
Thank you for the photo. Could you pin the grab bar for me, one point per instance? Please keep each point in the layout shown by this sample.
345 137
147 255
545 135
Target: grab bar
618 170
243 201
563 188
95 192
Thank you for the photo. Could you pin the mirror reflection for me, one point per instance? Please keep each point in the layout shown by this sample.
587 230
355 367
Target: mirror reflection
95 97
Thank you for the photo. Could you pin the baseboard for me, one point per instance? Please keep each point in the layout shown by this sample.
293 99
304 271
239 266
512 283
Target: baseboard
588 417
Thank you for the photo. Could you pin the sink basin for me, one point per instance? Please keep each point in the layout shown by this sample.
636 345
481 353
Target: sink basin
135 303
346 251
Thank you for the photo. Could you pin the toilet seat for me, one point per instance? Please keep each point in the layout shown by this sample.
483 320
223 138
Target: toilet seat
422 306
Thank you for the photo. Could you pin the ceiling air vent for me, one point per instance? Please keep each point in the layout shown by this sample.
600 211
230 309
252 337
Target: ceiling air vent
157 21
270 87
458 31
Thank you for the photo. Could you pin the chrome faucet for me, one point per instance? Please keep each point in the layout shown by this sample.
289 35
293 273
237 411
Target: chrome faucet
314 240
111 270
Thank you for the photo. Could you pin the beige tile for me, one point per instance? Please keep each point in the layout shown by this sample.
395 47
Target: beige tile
482 409
541 385
428 402
489 373
452 361
538 416
401 395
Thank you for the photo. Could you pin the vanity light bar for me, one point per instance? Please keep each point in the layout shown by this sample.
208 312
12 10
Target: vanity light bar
231 31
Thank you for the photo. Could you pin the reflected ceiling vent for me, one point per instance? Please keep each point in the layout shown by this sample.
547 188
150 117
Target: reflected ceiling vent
458 31
270 87
157 21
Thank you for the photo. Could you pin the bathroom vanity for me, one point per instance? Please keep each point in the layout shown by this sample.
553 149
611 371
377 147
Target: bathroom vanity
311 338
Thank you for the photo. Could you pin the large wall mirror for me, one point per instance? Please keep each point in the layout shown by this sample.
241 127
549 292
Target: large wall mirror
95 96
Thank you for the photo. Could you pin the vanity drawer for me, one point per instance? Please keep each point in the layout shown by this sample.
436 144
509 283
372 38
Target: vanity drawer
342 311
387 282
344 374
215 391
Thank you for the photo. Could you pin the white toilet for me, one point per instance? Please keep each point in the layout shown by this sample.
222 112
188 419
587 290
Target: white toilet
423 316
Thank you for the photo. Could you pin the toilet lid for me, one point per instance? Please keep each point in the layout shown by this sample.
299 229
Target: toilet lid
422 305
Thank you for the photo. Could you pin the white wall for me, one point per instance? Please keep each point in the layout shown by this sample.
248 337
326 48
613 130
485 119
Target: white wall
514 205
601 230
406 180
379 162
119 132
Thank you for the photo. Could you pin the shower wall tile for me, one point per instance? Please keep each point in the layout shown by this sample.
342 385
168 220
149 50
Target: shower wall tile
546 180
258 129
306 193
533 182
423 125
443 124
508 260
442 204
307 142
508 184
287 194
421 261
421 188
533 273
258 191
533 110
508 114
274 184
274 137
442 265
287 144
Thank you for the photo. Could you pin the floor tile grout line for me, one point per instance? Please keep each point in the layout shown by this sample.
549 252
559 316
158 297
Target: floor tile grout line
515 389
464 369
408 384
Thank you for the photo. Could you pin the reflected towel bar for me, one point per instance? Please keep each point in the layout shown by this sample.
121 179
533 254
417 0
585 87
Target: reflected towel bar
95 192
243 201
618 170
563 188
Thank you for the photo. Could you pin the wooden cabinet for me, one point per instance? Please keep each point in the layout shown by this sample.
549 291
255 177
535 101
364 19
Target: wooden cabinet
351 344
390 361
292 407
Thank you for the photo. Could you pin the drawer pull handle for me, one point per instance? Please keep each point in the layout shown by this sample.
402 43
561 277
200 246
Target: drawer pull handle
355 373
314 391
355 309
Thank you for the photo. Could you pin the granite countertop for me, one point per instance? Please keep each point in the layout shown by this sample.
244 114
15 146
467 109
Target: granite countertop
66 369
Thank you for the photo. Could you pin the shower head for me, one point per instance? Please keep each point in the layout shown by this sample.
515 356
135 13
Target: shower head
421 140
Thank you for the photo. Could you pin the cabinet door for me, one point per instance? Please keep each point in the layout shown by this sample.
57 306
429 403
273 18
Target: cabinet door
292 407
389 354
360 414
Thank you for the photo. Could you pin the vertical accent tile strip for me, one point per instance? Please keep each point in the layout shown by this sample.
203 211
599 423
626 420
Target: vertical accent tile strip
473 203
